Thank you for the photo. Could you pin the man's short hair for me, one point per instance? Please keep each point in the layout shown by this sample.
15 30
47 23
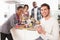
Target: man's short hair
19 7
45 5
34 2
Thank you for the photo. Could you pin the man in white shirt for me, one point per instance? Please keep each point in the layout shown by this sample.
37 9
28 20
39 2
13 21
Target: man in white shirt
35 12
49 29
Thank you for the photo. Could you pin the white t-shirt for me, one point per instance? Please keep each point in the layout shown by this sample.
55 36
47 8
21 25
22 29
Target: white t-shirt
51 27
35 13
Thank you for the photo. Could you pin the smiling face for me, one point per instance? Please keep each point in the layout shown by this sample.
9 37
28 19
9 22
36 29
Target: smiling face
45 11
25 8
20 11
34 4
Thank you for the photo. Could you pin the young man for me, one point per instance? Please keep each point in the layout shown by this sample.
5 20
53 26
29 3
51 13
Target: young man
11 22
49 28
35 12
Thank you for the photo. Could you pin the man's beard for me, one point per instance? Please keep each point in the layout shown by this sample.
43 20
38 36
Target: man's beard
35 7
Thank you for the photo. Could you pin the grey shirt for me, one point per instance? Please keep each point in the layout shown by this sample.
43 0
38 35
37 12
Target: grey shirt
10 23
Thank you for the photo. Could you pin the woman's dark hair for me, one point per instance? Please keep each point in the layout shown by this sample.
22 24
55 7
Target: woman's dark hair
45 5
27 6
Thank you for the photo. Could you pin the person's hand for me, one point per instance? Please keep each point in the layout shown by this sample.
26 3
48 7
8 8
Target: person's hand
17 26
40 30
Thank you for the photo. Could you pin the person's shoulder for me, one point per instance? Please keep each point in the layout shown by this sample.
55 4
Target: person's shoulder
38 8
54 19
32 9
12 16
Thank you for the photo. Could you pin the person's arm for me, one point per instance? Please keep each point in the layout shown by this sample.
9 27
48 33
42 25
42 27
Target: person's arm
54 35
12 21
39 14
32 13
55 32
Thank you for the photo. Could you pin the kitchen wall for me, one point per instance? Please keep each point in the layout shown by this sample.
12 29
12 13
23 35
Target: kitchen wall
9 9
6 10
53 5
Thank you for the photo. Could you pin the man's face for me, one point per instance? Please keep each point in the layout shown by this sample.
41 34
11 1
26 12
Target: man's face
45 11
19 11
34 4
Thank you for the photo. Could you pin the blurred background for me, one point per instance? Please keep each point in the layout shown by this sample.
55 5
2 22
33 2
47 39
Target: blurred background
8 7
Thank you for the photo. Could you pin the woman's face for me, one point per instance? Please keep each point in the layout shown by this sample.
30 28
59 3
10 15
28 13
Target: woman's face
45 11
26 8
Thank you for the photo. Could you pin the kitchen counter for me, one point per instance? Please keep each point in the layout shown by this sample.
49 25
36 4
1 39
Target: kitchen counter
24 34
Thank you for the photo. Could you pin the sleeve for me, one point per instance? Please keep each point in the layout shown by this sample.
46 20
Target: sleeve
12 22
39 14
55 32
32 12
